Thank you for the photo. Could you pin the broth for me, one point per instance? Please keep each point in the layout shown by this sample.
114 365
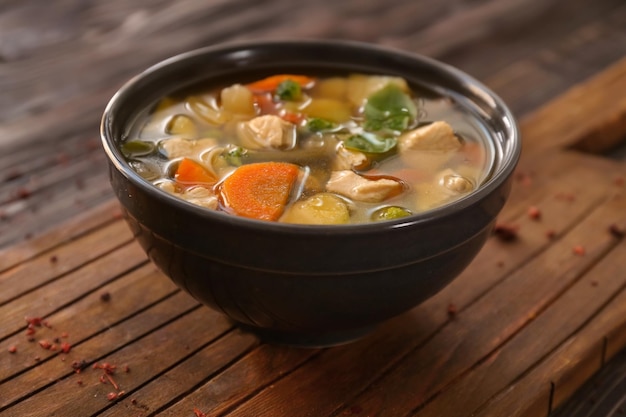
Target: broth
312 150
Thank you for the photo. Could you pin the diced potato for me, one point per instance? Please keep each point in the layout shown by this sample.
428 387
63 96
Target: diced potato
238 99
437 136
360 86
329 109
190 148
323 208
182 125
334 87
356 187
267 132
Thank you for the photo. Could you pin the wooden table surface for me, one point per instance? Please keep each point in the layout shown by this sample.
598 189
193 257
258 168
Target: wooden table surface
89 327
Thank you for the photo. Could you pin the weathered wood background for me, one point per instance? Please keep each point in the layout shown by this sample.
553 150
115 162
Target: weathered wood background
61 61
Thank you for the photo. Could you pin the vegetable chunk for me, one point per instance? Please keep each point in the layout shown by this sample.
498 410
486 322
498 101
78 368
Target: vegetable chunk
260 190
190 172
322 208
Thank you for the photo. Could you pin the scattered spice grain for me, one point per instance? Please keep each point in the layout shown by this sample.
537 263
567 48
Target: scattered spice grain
105 296
198 413
54 259
45 344
452 310
111 396
550 234
506 232
579 250
23 193
534 213
617 231
65 347
78 366
12 349
619 181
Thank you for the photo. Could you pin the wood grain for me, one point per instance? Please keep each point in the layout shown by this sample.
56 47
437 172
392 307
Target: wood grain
515 334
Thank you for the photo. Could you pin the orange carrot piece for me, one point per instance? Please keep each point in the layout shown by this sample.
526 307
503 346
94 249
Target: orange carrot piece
190 172
260 190
270 83
295 118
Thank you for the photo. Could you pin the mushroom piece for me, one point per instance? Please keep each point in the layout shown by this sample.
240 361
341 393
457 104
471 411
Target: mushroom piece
437 136
356 187
189 148
267 132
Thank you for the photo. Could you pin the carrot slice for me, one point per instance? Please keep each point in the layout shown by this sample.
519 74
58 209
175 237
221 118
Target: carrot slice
260 190
270 83
190 172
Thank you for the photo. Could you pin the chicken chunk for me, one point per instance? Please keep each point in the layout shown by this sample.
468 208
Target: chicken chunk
437 136
189 148
349 159
267 132
356 187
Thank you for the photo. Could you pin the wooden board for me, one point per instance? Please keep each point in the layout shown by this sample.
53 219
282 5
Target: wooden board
533 318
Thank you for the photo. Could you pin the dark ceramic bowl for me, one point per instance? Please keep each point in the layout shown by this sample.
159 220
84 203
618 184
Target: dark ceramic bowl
296 284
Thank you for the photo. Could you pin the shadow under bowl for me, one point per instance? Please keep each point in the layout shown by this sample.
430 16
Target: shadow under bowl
297 284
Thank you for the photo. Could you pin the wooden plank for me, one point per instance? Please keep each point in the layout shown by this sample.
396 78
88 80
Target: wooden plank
547 332
89 323
68 230
65 290
567 367
256 371
185 377
26 277
168 345
591 125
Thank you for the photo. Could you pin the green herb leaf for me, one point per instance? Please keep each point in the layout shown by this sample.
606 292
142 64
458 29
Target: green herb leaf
289 90
370 143
234 156
389 108
315 124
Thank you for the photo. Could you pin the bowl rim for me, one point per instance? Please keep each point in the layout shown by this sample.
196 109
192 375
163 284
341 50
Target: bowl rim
507 163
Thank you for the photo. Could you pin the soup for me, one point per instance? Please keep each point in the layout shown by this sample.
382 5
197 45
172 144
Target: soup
300 149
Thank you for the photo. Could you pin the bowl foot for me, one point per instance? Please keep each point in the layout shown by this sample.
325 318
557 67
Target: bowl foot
308 340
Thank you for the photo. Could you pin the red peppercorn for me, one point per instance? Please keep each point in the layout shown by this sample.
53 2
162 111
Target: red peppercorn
12 349
506 232
579 250
111 396
452 310
534 213
66 347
